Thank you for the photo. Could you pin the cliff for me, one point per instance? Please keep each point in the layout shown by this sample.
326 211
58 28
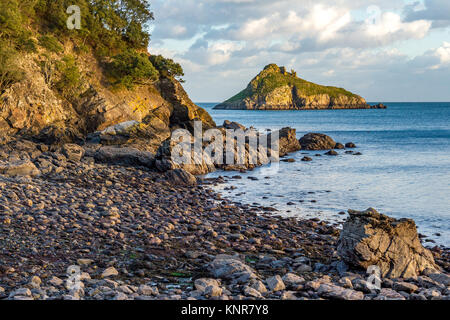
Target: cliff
276 89
59 85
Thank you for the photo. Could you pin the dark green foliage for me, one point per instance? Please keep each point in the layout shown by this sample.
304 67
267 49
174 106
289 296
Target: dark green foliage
50 43
10 72
167 67
130 68
70 77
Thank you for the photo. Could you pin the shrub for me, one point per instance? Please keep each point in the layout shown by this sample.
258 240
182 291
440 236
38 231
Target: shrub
130 68
70 77
50 43
10 72
167 67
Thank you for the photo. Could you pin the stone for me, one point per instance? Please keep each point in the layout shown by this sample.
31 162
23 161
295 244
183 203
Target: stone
55 281
332 153
19 168
110 272
287 141
259 286
231 125
307 159
251 292
231 268
339 146
389 294
213 291
147 290
405 286
292 280
202 283
369 238
331 291
35 282
181 177
275 283
123 155
317 141
73 152
350 145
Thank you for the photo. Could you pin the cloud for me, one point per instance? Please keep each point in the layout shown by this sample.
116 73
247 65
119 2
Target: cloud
222 44
437 11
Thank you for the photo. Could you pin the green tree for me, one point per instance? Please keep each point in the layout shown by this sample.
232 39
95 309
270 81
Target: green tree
10 72
167 67
70 77
130 68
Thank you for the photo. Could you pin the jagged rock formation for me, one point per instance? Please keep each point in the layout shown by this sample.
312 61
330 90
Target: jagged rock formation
33 108
370 238
276 89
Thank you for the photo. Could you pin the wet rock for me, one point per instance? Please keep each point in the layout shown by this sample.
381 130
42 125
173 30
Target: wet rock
317 141
332 153
405 286
389 294
370 238
350 145
307 159
339 146
287 141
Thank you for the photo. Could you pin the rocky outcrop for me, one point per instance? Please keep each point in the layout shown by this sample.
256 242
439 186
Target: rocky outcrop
276 89
34 108
317 141
180 177
287 141
18 168
370 238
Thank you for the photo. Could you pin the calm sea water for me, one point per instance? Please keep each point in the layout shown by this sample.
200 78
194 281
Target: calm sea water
404 170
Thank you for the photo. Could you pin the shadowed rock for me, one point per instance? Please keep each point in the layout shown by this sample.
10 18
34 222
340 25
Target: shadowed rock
370 238
317 141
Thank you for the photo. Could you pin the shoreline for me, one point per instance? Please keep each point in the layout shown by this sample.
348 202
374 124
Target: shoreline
136 236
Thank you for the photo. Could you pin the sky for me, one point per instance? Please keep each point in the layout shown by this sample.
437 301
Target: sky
385 50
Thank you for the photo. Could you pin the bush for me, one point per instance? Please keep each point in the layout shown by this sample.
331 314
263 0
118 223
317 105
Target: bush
167 67
50 43
130 68
10 72
70 77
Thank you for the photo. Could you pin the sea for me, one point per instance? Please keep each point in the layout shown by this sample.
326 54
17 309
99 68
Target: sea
404 169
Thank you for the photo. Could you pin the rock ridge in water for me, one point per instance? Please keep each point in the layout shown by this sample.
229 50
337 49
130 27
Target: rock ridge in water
276 89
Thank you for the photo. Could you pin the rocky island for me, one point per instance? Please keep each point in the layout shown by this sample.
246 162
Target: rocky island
276 89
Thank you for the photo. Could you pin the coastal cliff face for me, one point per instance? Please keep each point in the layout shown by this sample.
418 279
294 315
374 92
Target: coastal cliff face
33 107
276 89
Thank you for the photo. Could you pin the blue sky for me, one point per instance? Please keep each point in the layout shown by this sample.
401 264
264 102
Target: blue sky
384 50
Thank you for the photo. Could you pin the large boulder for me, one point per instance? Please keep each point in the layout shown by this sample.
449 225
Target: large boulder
287 141
125 155
73 151
18 168
231 268
317 141
370 238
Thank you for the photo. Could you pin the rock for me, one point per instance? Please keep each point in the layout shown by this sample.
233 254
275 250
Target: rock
251 292
339 146
276 89
440 278
331 291
147 290
259 286
317 141
213 291
332 153
389 294
287 141
231 268
202 283
35 282
24 292
370 238
307 159
275 283
233 125
73 152
110 272
292 280
405 286
55 281
288 295
350 145
181 177
19 168
124 155
84 262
